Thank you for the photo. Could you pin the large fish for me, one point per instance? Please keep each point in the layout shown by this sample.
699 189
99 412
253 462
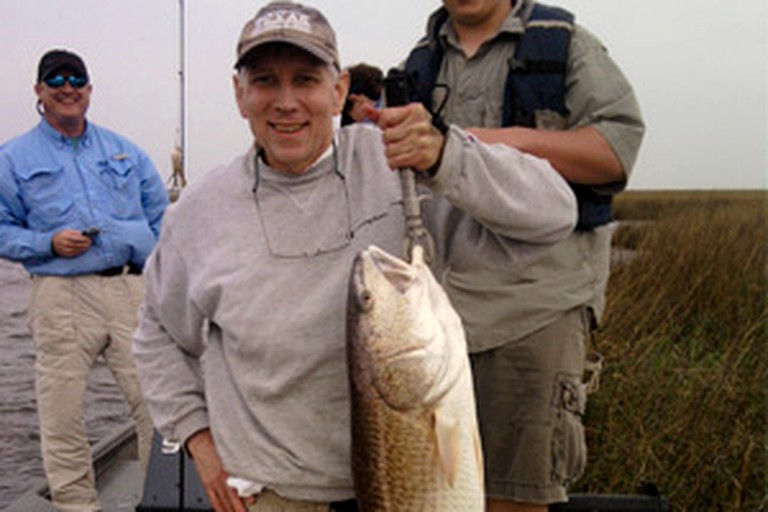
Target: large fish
415 442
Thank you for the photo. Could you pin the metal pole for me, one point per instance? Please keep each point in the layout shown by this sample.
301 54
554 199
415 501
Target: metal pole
182 77
178 157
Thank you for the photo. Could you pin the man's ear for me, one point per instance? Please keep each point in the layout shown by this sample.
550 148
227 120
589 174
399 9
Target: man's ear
238 93
340 91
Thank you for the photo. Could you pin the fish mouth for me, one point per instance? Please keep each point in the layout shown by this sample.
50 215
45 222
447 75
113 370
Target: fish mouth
399 273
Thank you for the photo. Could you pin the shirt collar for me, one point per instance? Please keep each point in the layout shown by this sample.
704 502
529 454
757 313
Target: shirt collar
59 138
512 24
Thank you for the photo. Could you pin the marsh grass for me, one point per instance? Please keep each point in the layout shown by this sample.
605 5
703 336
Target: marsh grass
683 397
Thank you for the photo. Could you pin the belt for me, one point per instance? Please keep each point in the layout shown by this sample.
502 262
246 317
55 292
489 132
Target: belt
130 268
343 506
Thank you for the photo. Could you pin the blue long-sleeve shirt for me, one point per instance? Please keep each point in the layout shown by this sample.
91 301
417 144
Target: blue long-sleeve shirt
48 183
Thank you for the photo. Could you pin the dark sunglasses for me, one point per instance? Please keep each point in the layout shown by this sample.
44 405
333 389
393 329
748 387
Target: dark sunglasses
59 80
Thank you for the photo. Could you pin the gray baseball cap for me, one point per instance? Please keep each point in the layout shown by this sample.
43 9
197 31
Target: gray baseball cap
292 23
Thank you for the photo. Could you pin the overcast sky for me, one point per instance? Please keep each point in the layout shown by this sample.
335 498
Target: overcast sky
699 68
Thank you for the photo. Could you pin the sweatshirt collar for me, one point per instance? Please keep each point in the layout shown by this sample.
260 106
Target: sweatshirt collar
327 162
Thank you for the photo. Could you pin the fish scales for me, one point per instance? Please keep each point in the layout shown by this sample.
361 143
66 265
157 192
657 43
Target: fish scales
415 443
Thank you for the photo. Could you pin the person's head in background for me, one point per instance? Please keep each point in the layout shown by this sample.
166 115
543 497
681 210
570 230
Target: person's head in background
63 91
364 89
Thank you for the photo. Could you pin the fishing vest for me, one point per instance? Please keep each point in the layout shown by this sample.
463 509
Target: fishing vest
534 93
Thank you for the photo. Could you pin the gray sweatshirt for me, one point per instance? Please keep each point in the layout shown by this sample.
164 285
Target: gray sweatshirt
243 325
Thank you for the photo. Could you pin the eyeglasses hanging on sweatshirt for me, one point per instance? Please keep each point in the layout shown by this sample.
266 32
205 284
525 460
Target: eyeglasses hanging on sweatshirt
306 215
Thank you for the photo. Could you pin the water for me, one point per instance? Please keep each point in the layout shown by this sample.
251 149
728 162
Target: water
20 461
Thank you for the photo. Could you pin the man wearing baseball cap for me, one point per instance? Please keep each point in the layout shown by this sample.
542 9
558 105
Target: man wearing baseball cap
80 208
241 341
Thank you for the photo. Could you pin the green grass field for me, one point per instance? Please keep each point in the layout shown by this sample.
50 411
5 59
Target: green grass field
682 401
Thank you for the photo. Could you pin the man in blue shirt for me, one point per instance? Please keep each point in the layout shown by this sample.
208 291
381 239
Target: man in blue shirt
80 208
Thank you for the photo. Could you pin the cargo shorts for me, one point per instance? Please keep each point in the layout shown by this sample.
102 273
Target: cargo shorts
530 399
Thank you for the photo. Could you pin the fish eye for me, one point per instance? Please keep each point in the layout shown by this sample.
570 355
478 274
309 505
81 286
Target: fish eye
366 300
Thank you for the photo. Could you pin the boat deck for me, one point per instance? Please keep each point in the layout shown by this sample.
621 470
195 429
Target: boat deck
119 477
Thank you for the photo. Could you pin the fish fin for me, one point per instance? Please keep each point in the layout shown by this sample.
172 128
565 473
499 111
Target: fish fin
479 457
448 436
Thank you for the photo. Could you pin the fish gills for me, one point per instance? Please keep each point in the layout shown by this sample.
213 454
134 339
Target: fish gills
415 442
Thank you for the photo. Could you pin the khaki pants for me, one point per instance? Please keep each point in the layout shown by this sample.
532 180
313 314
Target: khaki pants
74 320
269 501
